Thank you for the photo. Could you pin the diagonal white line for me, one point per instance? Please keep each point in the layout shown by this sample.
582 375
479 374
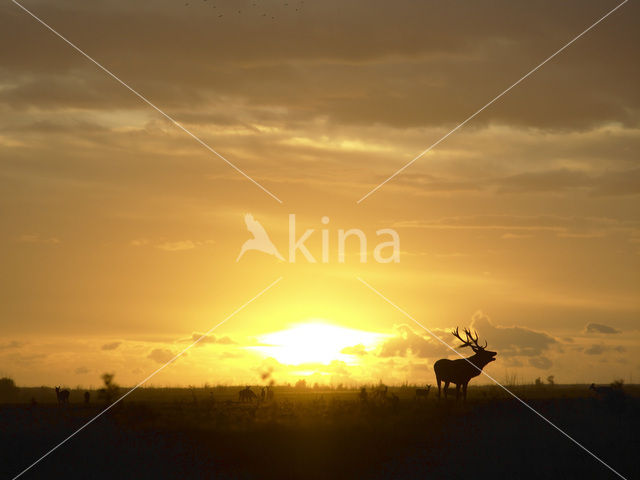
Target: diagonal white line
490 377
148 102
143 381
404 167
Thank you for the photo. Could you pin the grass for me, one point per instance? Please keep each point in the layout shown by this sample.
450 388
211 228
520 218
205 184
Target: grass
323 433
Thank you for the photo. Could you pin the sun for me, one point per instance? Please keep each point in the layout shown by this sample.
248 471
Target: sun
316 341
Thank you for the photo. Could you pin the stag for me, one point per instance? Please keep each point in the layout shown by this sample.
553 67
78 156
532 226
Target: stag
460 371
63 395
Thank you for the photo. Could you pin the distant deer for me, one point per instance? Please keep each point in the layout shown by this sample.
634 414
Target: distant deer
380 393
605 391
462 370
63 395
612 396
363 395
247 395
422 392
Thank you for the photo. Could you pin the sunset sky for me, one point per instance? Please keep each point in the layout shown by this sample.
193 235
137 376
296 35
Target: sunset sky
120 232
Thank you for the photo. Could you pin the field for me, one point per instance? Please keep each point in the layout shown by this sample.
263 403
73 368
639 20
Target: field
324 433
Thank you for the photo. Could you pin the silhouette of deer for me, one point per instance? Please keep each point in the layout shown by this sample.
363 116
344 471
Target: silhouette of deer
394 400
63 395
601 390
247 395
363 395
422 392
612 396
461 371
380 393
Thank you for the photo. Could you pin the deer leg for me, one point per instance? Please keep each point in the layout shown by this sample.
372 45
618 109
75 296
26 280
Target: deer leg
446 389
438 387
464 391
457 391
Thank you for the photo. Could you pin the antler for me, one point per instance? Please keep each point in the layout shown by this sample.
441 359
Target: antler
471 341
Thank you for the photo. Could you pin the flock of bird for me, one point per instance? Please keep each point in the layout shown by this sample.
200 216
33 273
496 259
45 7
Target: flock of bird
298 8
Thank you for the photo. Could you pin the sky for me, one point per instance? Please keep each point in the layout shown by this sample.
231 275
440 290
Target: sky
120 232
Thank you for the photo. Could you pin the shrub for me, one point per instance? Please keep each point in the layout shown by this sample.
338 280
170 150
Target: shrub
8 389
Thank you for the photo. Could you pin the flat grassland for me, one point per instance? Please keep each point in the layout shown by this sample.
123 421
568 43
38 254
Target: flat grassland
309 433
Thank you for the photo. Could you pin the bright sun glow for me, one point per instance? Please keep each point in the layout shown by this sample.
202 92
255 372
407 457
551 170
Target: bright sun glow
316 342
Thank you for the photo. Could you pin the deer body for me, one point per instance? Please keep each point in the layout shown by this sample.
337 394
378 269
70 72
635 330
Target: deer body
247 395
601 390
63 395
461 371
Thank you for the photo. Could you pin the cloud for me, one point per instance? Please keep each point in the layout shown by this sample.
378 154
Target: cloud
111 346
360 70
34 238
512 341
177 246
525 224
358 350
600 349
170 246
209 339
13 344
139 242
406 342
81 370
161 355
555 180
542 363
600 328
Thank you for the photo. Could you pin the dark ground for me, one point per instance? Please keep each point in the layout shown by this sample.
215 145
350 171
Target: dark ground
181 434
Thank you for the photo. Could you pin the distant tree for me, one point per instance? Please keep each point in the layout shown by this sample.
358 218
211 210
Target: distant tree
111 389
551 380
618 384
8 389
301 384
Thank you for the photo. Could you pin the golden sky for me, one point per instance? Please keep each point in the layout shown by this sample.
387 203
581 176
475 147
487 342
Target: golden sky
120 233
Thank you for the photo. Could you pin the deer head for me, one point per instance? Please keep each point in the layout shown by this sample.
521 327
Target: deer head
470 340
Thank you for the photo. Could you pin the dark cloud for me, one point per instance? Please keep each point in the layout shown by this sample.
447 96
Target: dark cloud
600 328
600 349
111 346
542 363
81 370
161 355
418 63
512 341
